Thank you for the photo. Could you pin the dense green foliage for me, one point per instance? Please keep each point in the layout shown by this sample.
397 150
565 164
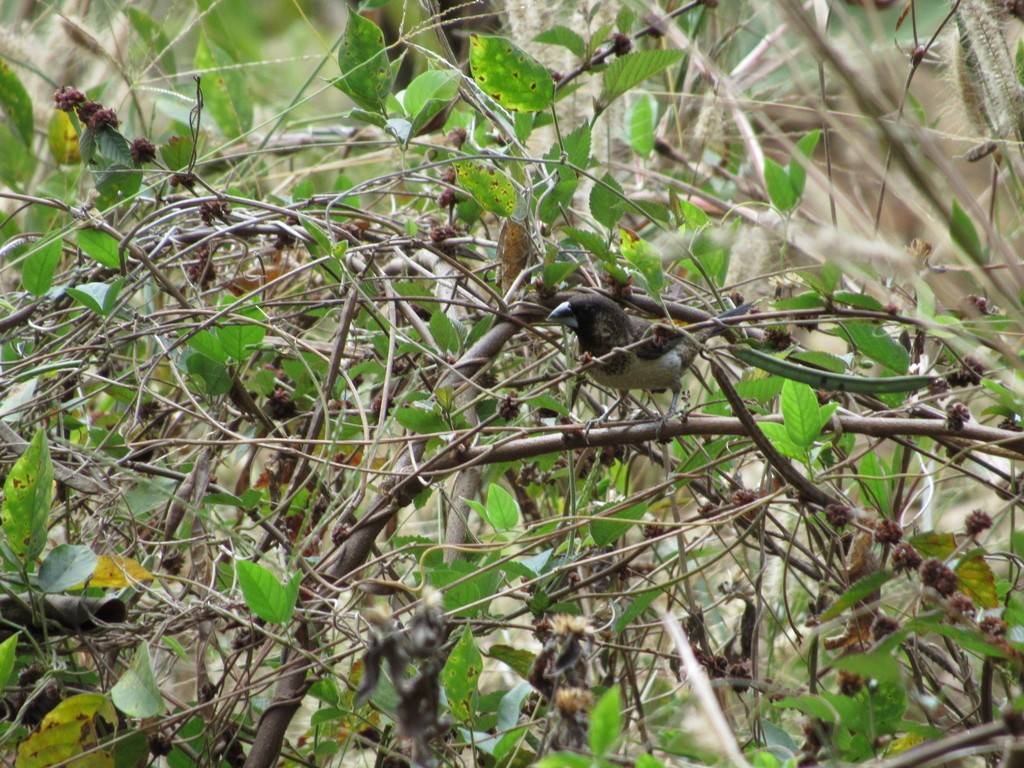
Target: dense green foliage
295 470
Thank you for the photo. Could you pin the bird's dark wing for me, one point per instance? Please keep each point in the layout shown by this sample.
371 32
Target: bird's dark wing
657 344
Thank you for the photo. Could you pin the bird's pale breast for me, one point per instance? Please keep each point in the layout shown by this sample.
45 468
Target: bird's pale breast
625 371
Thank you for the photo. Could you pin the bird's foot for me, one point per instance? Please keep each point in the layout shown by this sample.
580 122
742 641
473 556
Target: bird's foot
662 423
596 423
673 410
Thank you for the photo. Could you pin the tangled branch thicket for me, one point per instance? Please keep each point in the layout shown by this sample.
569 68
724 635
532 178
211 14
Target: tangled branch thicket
328 489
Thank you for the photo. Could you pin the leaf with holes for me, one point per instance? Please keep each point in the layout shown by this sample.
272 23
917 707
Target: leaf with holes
366 75
71 734
509 75
460 675
28 494
489 186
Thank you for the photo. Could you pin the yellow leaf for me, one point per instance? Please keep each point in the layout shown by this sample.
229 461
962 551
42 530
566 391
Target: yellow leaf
116 571
68 730
63 139
903 743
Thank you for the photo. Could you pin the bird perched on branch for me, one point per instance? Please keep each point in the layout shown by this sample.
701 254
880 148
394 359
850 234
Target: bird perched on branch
636 354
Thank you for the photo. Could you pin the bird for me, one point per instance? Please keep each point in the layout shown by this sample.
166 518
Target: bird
635 353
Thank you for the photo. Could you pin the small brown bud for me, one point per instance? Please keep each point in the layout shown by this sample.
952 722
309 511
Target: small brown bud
888 532
938 576
977 522
906 558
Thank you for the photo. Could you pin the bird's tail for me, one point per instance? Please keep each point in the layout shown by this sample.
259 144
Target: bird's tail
742 309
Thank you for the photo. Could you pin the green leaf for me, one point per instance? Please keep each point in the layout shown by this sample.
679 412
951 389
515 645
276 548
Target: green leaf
645 259
489 186
509 75
447 334
460 675
874 482
555 273
591 241
938 545
8 652
428 94
214 374
1019 61
607 201
605 529
68 565
978 581
760 387
640 603
963 233
433 85
605 722
28 495
152 40
518 659
421 421
137 693
99 246
797 171
116 184
691 216
640 120
565 37
238 339
112 145
39 266
511 706
858 591
970 640
807 300
16 160
366 75
576 146
502 510
880 666
131 749
99 297
264 594
780 439
15 101
628 71
176 152
206 342
225 88
873 342
860 300
644 760
400 128
800 413
780 188
565 760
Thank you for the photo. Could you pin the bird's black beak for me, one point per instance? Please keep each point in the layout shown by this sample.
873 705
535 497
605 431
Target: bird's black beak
563 315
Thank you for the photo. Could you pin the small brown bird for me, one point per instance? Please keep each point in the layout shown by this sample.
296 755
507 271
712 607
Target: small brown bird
645 356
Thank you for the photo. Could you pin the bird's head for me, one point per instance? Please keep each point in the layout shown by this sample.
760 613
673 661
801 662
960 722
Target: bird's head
599 322
584 310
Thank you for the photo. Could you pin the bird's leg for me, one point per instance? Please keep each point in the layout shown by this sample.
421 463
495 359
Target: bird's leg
604 416
676 393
